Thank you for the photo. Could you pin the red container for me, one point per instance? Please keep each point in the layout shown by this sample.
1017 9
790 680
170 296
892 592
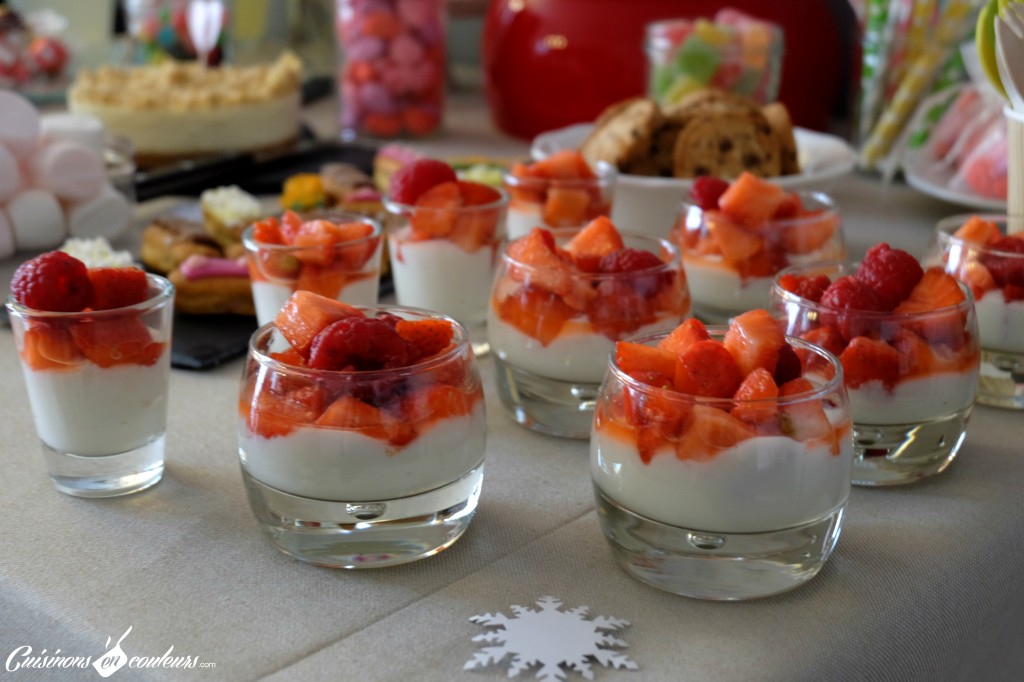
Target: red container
551 63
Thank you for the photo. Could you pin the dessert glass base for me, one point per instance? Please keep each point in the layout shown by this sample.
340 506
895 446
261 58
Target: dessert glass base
1001 383
557 408
108 475
365 533
895 454
716 566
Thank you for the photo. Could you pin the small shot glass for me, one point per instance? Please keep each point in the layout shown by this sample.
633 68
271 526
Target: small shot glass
722 499
992 265
552 350
571 199
731 268
912 377
344 264
97 385
362 469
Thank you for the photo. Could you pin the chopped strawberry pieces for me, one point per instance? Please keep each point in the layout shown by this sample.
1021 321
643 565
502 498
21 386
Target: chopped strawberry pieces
754 338
358 343
750 200
120 341
706 191
637 358
117 287
410 181
538 313
867 360
425 337
710 431
977 230
805 286
305 314
755 398
707 369
48 345
685 335
934 291
593 243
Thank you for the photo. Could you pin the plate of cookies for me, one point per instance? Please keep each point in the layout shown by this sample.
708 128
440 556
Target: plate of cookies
659 150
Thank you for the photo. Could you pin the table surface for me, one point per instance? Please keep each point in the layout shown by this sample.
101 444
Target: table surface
924 584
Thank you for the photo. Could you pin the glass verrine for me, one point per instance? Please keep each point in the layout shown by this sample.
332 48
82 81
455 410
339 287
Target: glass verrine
552 337
359 469
717 498
911 376
97 385
991 263
331 253
730 267
537 200
443 256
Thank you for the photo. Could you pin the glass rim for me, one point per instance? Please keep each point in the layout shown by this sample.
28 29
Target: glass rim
398 208
946 226
460 338
605 177
833 384
163 294
828 207
848 268
671 265
251 244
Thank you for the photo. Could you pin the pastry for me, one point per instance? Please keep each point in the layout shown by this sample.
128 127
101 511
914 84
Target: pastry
169 240
208 286
227 211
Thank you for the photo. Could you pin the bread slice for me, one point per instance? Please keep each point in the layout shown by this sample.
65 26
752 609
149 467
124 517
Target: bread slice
782 127
725 144
622 133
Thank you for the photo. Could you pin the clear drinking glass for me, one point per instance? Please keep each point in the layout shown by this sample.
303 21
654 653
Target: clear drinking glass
913 424
731 268
995 275
359 469
97 385
557 201
347 271
696 501
443 258
552 349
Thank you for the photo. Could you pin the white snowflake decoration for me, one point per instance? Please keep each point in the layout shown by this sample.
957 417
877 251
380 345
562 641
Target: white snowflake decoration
550 638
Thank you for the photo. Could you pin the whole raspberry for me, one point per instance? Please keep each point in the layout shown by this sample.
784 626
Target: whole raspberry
53 281
805 286
851 296
891 273
360 344
706 190
1006 269
413 179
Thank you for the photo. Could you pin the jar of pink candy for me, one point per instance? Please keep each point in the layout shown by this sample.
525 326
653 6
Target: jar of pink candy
391 72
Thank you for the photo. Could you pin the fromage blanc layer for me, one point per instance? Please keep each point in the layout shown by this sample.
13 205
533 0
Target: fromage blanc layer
913 401
1000 323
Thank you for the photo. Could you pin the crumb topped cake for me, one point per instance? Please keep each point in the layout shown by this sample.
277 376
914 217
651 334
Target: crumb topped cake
177 110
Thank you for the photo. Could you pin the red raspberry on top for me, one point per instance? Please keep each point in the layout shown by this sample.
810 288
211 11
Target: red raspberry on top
706 190
360 344
413 179
629 260
53 281
849 294
892 274
1007 270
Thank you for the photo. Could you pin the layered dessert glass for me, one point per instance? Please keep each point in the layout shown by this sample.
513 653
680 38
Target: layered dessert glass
555 316
331 253
730 263
721 498
911 371
986 252
561 190
444 250
357 468
97 384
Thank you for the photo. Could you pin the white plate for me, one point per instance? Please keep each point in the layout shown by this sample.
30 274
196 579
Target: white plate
650 205
925 174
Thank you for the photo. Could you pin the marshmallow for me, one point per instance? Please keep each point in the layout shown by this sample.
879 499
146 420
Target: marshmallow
81 128
107 215
37 220
7 247
10 174
68 169
19 123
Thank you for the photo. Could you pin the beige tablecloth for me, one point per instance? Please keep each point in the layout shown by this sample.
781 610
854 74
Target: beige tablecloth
925 583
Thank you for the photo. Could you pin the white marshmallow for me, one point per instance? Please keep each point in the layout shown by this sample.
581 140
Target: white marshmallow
37 220
70 170
106 215
19 123
81 128
10 174
7 247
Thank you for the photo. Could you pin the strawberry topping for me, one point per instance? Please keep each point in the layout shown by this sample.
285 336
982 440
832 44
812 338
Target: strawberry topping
892 274
413 179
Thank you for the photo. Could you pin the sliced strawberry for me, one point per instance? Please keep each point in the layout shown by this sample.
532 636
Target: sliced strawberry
565 206
916 356
707 369
754 398
413 179
117 287
867 360
291 222
657 416
809 232
619 309
805 286
736 244
706 190
754 339
272 415
436 211
595 241
804 420
684 335
535 312
435 402
977 277
49 346
305 314
1007 263
751 201
358 343
547 269
825 336
357 253
789 366
353 414
567 164
477 193
977 230
633 358
475 229
710 430
791 207
425 337
267 231
123 341
316 240
934 291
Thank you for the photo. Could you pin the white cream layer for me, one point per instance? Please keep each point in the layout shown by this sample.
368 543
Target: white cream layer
269 297
1000 324
913 401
